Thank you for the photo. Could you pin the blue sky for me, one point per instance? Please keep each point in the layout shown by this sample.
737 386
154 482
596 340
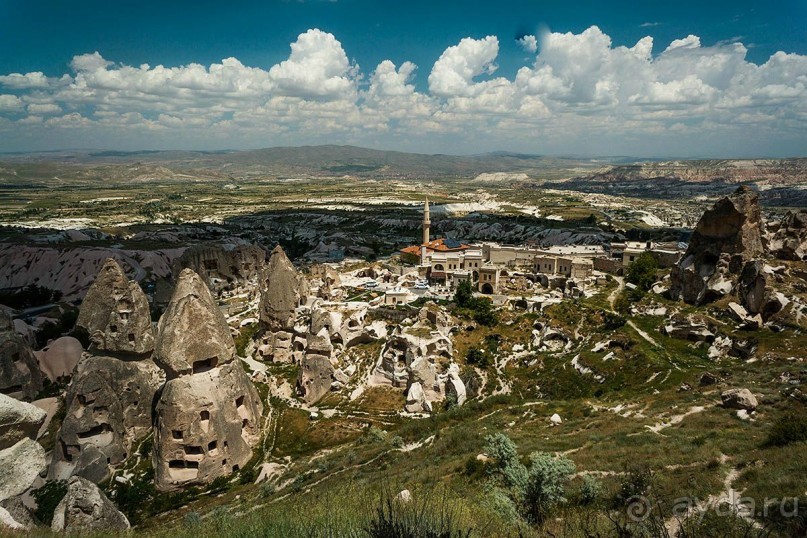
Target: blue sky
482 99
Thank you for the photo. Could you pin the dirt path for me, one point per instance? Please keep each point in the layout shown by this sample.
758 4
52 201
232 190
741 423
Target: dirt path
614 294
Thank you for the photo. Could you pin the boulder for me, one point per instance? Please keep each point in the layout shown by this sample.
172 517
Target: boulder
422 371
60 357
19 370
108 406
18 420
727 235
789 242
115 313
206 425
555 420
283 289
192 336
20 465
85 508
455 388
315 378
14 514
739 399
415 399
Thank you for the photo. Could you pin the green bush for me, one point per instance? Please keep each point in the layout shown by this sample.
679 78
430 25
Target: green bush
48 498
546 484
417 518
477 357
788 428
591 490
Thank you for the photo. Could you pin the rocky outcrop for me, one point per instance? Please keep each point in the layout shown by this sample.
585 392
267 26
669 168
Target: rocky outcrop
726 237
108 406
207 416
85 508
403 349
223 266
315 378
789 242
18 420
192 335
116 314
739 399
283 290
20 465
59 358
19 370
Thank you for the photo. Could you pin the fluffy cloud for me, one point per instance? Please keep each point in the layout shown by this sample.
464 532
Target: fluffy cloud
529 43
578 93
10 102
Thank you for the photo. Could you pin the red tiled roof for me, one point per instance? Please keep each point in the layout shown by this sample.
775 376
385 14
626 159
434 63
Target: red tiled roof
437 245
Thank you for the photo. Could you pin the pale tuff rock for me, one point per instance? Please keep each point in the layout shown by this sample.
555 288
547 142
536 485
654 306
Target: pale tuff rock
15 515
416 401
116 314
19 370
20 465
18 420
279 347
727 235
207 417
402 349
192 335
206 426
789 242
108 407
85 508
423 372
315 378
222 266
326 279
438 318
60 357
319 344
455 388
739 399
282 292
555 420
694 331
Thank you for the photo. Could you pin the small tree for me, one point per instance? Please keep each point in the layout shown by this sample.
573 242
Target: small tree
642 271
546 484
464 294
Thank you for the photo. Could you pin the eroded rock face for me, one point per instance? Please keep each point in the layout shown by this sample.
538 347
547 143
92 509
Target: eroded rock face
85 508
108 406
727 235
208 414
315 378
789 242
116 314
283 290
207 424
222 266
20 376
192 335
18 420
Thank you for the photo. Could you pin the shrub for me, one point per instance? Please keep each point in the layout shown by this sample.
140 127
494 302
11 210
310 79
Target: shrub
546 484
47 498
477 357
788 428
590 491
464 294
637 483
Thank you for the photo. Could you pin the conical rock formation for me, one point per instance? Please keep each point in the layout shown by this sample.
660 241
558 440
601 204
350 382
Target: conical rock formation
283 290
192 335
208 413
116 314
